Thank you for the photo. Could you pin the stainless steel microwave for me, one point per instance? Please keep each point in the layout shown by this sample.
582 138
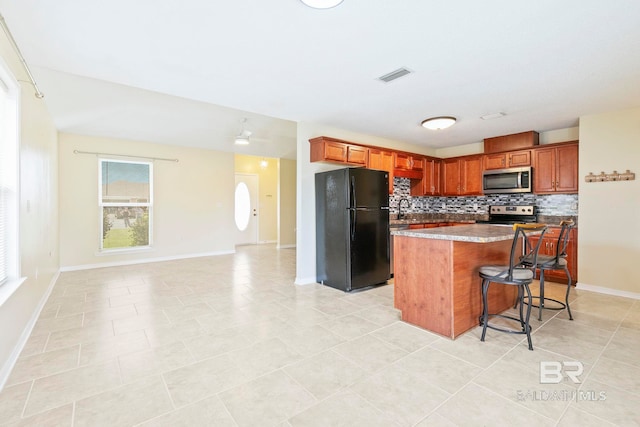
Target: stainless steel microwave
511 180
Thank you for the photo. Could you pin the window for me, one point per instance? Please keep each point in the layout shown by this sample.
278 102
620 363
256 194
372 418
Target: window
126 201
9 161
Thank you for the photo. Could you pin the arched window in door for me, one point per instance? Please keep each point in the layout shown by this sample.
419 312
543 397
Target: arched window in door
243 206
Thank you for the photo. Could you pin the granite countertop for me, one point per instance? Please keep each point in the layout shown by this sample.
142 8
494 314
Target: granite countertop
435 218
422 218
479 233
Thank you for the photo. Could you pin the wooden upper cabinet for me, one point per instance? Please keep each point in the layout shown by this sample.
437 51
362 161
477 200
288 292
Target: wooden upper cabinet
408 165
471 177
324 149
462 176
382 160
512 159
555 169
511 142
429 185
567 169
495 161
402 161
450 178
432 177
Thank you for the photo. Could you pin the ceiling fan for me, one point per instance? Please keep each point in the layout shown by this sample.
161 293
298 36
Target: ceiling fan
243 137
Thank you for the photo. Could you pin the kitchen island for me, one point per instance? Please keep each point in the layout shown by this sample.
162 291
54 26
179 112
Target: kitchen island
436 281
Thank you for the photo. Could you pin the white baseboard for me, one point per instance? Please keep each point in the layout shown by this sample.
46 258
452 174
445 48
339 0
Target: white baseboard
607 291
143 261
267 242
286 246
305 280
26 332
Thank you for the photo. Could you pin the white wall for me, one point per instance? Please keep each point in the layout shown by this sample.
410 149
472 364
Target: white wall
38 216
286 203
306 237
193 201
609 230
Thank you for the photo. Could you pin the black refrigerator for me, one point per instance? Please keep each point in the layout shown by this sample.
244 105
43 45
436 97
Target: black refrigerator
352 228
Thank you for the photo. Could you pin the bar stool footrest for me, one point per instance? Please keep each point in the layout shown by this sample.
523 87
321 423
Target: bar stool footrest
562 304
509 331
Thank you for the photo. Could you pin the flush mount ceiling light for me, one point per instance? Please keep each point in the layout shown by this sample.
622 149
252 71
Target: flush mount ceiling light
243 137
437 123
321 4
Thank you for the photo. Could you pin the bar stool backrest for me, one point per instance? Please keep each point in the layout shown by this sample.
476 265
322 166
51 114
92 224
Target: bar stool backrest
563 239
530 250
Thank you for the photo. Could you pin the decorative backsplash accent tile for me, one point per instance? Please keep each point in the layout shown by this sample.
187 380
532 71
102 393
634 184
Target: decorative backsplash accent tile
553 204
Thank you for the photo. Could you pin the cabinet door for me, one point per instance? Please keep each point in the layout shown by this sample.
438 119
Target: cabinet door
382 160
544 170
432 177
335 151
417 163
471 175
519 158
401 161
567 169
450 177
495 161
357 155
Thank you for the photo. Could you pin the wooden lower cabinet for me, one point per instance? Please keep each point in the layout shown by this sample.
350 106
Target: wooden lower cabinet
548 247
436 282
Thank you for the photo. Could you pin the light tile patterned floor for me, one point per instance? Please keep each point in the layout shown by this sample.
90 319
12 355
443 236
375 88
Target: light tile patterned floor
231 341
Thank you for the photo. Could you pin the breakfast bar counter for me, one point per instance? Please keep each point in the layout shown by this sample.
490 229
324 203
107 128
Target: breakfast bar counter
436 282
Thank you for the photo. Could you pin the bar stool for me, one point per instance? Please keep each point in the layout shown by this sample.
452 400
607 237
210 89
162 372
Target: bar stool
514 274
553 262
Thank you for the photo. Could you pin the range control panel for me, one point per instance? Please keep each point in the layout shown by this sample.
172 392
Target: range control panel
512 210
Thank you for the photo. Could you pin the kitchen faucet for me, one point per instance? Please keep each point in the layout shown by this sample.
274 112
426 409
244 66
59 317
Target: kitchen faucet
400 214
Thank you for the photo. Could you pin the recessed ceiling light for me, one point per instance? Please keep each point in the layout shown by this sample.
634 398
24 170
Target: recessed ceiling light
492 116
437 123
321 4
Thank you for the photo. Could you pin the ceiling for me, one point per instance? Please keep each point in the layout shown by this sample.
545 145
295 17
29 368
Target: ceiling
187 72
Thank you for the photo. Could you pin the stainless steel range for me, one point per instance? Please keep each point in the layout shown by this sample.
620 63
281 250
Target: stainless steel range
512 214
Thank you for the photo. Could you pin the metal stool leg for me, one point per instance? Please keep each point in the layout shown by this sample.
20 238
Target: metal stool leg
485 307
541 299
566 298
526 321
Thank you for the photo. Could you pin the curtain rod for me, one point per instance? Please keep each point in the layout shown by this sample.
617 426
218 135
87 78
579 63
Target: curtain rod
124 155
38 93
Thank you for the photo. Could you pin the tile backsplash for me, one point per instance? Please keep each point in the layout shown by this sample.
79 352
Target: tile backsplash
555 204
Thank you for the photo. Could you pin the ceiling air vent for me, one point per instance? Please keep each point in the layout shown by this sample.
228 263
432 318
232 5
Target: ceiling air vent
395 74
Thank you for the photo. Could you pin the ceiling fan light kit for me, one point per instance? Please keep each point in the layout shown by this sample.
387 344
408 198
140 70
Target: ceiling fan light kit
321 4
438 123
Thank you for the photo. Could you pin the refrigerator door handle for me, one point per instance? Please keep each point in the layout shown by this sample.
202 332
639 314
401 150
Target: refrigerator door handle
354 217
354 202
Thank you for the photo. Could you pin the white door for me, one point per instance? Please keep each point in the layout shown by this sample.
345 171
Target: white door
246 209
